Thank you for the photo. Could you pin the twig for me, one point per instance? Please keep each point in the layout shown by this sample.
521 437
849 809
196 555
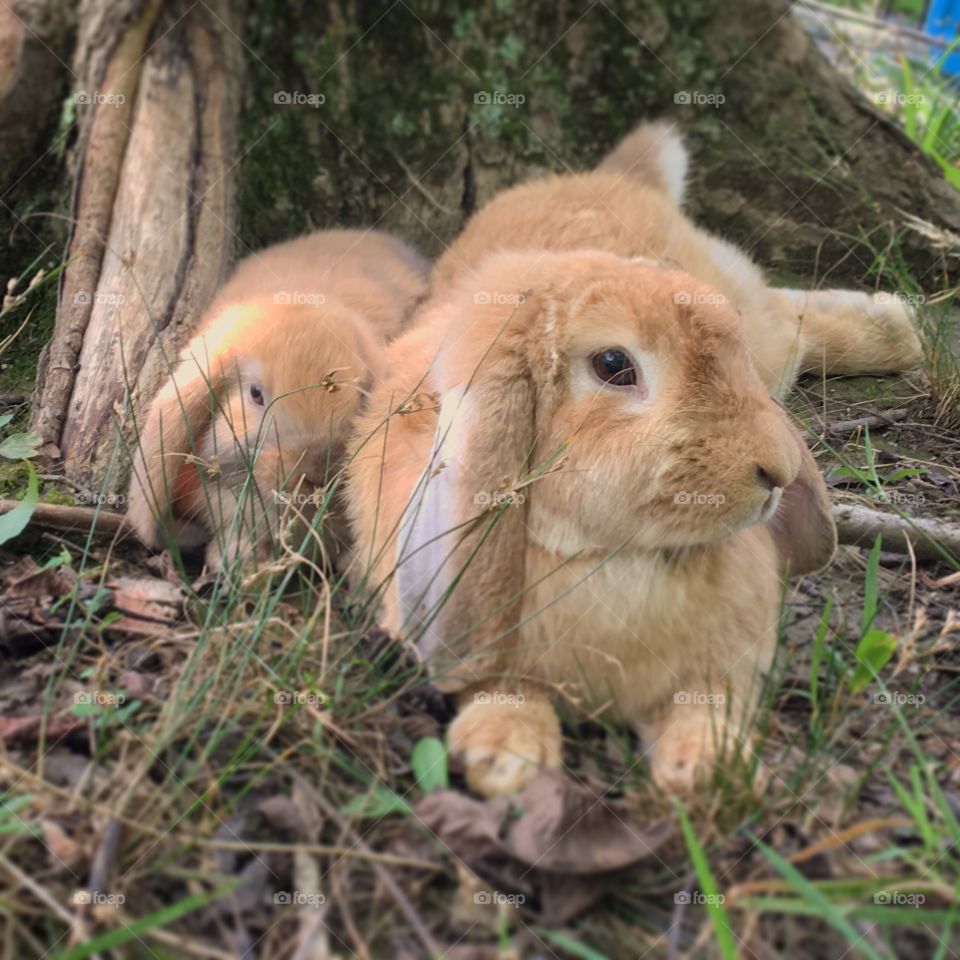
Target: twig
60 516
874 23
75 923
385 876
420 188
858 525
105 858
360 853
877 421
185 945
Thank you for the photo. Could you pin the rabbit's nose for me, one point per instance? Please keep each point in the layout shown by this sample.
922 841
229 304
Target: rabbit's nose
318 465
770 477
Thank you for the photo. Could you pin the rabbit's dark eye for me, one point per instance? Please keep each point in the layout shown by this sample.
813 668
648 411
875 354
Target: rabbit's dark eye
256 394
615 368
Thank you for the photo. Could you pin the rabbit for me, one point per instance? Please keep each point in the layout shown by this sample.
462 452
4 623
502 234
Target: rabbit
255 415
578 482
631 205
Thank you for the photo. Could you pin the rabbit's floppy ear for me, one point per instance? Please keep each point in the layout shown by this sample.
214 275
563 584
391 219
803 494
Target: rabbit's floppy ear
462 540
803 526
164 472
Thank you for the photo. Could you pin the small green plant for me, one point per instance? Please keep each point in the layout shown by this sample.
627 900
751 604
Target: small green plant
930 116
870 475
875 647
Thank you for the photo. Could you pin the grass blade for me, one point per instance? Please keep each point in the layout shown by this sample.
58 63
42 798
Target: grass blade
825 909
708 884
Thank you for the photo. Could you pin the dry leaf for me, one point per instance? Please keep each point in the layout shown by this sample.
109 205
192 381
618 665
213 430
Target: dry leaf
554 848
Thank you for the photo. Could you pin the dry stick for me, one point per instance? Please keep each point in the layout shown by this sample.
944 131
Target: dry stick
41 893
385 876
59 516
39 783
105 858
874 23
842 428
859 526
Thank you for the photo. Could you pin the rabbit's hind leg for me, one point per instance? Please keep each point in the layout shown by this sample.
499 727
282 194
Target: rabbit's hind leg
846 332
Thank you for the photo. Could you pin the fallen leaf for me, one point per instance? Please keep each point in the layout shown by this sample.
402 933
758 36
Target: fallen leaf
555 847
63 850
25 579
27 728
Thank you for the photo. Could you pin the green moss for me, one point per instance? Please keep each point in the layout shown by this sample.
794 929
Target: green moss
33 227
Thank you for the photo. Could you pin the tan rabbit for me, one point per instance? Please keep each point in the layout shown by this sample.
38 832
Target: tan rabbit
253 420
630 205
574 479
580 483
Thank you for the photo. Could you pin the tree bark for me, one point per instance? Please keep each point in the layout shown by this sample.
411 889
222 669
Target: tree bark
32 40
154 212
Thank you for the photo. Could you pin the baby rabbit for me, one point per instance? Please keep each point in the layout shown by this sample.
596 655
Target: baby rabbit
256 413
630 205
574 479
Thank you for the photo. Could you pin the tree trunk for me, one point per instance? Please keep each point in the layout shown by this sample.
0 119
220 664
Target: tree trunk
153 205
409 117
32 39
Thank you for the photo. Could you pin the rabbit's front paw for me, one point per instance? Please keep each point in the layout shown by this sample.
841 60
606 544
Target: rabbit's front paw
683 756
503 740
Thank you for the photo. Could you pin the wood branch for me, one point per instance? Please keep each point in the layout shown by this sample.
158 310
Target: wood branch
167 244
843 428
874 23
65 518
32 75
858 525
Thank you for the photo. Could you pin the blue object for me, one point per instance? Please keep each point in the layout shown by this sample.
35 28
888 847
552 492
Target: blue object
943 20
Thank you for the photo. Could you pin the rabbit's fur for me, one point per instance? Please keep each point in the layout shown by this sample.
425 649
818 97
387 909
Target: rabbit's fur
630 205
254 418
539 532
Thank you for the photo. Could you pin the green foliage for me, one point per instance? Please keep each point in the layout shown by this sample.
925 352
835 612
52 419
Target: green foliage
14 522
429 762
